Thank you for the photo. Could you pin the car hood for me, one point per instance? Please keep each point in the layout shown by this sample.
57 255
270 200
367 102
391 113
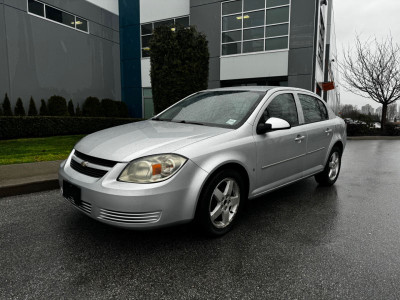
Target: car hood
130 141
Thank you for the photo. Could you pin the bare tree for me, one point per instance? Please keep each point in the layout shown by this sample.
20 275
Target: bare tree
372 70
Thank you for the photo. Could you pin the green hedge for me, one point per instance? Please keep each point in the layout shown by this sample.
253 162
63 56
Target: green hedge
365 130
41 126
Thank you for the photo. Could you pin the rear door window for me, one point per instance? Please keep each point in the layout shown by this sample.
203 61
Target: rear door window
313 109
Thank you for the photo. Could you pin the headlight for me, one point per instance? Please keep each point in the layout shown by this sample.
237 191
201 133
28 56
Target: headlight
153 168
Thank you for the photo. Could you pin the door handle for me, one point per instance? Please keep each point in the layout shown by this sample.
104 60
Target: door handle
328 131
299 138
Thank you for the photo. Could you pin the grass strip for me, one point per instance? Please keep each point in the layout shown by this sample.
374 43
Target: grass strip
37 149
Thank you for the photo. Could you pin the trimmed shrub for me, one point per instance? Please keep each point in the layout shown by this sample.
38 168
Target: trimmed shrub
7 106
43 108
92 107
32 111
19 109
392 129
109 107
57 106
71 109
12 127
1 111
123 111
78 111
179 64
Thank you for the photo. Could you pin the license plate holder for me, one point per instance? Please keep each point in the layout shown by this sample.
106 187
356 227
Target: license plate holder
72 192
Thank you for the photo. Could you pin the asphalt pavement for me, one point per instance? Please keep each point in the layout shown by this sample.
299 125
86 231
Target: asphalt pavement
300 242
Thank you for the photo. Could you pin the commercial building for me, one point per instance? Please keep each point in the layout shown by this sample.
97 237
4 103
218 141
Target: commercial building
251 42
77 49
67 48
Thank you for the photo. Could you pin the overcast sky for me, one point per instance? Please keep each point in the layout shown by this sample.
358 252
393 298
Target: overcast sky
367 18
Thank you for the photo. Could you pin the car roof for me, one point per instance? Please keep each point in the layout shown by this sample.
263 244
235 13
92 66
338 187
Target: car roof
257 88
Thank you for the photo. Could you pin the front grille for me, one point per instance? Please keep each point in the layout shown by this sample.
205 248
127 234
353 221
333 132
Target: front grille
92 172
129 218
84 206
95 160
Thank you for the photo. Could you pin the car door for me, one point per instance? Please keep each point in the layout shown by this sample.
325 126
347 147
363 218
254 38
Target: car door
280 153
319 132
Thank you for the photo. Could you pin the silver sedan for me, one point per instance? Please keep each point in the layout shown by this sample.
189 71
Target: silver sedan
204 157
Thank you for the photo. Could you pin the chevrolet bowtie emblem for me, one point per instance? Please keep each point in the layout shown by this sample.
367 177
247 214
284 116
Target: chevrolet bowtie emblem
84 164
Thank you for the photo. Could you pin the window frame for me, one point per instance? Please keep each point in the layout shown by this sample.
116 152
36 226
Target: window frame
264 26
321 102
295 105
152 30
59 23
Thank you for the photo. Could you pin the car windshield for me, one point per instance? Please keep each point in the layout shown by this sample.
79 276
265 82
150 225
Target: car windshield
228 109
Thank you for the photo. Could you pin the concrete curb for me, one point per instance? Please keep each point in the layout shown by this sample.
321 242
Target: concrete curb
27 188
359 138
18 179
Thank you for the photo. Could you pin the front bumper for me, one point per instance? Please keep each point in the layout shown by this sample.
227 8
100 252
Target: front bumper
132 205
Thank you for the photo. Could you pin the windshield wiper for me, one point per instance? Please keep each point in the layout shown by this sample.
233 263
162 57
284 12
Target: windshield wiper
189 122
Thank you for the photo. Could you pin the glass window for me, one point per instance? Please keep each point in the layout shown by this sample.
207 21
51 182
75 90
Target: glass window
163 23
253 19
253 46
36 8
323 110
228 49
231 7
148 103
147 31
227 109
284 107
232 22
276 43
146 41
253 4
147 28
182 21
272 3
81 24
276 30
250 27
60 16
313 110
232 36
57 15
278 15
146 52
253 33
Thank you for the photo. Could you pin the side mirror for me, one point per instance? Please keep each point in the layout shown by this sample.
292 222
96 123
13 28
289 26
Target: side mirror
263 128
272 124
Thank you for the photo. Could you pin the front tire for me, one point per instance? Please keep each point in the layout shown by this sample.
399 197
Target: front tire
221 202
332 168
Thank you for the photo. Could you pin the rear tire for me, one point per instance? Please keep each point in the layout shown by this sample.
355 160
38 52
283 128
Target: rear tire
220 203
332 168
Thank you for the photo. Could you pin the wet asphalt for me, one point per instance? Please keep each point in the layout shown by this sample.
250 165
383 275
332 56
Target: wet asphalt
300 242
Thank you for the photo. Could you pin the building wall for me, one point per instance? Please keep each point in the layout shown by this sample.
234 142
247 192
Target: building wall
301 44
296 66
40 58
206 16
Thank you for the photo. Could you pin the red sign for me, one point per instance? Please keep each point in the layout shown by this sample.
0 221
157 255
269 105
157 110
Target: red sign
327 86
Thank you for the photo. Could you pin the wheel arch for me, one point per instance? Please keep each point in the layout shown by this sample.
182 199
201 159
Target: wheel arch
226 166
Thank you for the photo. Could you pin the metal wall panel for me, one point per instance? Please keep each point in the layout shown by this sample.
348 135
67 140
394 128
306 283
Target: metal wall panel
206 15
45 58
